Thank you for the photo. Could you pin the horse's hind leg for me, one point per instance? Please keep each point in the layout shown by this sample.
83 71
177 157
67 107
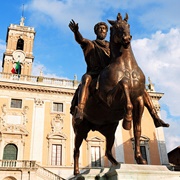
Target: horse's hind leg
108 131
137 116
109 144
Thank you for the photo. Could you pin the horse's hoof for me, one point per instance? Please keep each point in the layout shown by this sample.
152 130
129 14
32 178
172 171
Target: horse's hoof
76 172
126 125
140 160
116 164
160 123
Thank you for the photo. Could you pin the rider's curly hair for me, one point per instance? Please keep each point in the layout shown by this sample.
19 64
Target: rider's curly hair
98 24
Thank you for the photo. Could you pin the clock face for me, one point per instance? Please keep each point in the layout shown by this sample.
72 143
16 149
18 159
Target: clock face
19 55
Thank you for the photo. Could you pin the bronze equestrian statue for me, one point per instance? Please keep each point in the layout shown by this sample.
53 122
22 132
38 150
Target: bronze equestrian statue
97 57
118 92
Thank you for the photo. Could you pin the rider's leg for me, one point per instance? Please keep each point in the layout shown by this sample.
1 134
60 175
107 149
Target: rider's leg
82 97
74 101
152 110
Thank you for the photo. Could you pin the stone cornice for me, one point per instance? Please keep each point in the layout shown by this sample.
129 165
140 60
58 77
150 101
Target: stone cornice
36 88
155 95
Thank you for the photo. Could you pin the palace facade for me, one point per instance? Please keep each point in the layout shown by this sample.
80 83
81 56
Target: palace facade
36 134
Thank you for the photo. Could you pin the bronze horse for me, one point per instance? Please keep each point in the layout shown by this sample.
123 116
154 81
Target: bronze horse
120 95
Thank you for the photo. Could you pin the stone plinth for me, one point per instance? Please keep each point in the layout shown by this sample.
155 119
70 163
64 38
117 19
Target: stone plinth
130 172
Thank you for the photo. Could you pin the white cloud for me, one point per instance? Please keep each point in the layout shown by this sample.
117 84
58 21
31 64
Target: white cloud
152 14
162 14
159 58
172 134
59 13
39 68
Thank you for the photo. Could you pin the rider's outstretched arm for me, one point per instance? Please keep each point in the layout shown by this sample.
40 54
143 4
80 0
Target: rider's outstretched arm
75 29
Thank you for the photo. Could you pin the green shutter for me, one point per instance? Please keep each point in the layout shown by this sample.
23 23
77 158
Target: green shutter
10 152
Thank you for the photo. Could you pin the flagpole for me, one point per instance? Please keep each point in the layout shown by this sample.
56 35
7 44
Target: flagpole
19 69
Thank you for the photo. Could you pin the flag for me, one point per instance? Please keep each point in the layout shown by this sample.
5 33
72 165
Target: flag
16 68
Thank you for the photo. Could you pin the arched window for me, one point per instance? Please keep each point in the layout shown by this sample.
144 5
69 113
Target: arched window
9 178
10 152
57 149
95 156
20 44
95 147
144 147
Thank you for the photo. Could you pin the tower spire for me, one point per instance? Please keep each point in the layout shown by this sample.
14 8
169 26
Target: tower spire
22 17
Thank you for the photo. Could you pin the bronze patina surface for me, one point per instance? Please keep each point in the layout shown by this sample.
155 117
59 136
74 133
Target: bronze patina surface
113 88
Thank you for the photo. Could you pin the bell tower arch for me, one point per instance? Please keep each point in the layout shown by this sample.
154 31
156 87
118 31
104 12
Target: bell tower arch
18 56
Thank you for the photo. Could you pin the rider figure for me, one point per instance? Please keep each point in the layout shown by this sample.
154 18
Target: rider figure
97 57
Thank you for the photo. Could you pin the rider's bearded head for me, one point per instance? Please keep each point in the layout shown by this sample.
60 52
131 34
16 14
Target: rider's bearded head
101 30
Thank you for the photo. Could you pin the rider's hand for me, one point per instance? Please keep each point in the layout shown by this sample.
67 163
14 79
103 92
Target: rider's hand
73 26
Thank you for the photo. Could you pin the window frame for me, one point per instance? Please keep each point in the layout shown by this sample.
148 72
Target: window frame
7 148
95 142
58 139
144 152
61 108
20 44
56 162
17 99
97 162
144 141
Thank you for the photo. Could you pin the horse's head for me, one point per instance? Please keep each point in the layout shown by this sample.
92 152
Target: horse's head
120 30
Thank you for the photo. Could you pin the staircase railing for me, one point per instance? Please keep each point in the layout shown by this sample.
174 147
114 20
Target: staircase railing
47 174
30 165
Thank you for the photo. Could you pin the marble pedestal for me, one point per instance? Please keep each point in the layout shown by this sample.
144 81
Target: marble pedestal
130 172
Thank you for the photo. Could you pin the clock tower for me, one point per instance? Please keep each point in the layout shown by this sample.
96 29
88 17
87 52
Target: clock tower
19 49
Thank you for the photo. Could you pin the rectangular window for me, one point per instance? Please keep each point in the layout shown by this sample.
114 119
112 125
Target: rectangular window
143 152
95 156
56 155
58 107
16 103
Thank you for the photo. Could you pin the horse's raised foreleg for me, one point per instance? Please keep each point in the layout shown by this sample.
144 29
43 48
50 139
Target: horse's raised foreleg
152 110
137 116
129 107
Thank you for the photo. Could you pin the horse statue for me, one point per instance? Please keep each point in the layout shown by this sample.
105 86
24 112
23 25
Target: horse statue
120 95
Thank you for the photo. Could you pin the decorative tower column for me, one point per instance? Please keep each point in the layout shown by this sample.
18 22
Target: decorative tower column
156 96
37 131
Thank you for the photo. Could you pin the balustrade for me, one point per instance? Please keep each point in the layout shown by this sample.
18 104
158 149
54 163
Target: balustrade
39 79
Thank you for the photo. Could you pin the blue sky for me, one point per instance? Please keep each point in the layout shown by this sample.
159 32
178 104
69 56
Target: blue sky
155 28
